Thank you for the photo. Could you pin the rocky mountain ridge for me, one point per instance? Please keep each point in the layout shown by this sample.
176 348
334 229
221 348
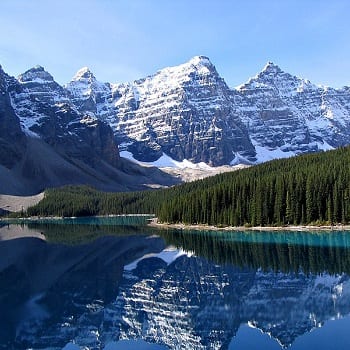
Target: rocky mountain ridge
53 135
189 112
47 142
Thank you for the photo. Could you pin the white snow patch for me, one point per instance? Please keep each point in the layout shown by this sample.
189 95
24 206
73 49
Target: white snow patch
324 146
167 162
89 120
79 74
264 154
252 324
168 255
238 161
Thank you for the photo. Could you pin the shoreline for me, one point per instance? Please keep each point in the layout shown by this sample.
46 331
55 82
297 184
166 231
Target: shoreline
13 231
339 227
11 203
4 219
153 222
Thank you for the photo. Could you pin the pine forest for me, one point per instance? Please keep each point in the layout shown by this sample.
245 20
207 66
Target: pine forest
307 189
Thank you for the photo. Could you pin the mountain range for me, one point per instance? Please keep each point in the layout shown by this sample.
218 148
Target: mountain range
46 142
52 135
189 112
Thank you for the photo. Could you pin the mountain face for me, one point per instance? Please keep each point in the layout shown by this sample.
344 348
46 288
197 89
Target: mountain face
10 129
188 112
45 110
289 114
47 142
52 135
185 112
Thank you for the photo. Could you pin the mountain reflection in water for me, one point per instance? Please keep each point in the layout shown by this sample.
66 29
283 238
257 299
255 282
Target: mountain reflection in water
176 289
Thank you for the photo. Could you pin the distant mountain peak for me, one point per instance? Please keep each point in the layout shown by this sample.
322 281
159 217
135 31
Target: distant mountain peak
37 68
84 74
200 60
271 67
37 74
202 64
188 112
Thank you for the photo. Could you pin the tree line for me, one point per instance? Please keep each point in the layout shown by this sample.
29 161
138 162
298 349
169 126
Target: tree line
307 189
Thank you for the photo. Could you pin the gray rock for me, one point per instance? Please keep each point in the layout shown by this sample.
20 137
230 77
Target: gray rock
47 142
188 112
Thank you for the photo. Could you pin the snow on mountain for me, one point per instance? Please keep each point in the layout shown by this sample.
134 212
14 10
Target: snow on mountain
88 94
45 110
12 139
48 141
185 170
167 162
36 92
289 114
188 113
183 111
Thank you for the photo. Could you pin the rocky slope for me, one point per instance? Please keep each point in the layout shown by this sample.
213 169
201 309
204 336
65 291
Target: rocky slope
10 151
287 114
188 112
52 135
185 112
45 141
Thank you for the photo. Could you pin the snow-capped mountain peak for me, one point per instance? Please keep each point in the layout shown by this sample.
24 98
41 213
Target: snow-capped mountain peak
88 94
272 75
201 62
36 74
189 112
271 68
177 75
84 74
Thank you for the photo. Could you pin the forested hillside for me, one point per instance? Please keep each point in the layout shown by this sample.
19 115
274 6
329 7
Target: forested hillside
308 189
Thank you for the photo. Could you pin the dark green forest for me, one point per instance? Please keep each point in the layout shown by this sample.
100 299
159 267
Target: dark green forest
307 189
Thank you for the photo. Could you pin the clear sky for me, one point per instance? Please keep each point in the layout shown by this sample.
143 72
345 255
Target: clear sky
124 40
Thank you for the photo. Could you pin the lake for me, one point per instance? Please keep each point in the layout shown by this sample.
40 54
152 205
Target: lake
114 283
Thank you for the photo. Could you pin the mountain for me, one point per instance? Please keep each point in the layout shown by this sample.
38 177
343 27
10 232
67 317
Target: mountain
189 112
53 135
10 130
185 112
286 115
46 142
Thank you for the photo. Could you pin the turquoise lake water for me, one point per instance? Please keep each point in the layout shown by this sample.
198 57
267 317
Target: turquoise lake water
115 283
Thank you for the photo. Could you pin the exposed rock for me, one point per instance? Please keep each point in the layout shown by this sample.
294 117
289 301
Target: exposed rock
46 142
12 140
284 112
184 111
45 110
188 112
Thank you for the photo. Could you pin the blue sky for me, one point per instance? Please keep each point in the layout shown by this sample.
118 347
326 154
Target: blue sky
123 40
